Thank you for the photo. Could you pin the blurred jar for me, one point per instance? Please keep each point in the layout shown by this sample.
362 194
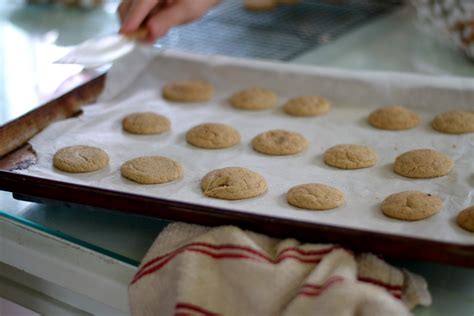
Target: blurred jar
450 19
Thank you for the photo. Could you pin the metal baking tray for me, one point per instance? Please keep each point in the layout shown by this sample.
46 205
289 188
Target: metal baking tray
16 153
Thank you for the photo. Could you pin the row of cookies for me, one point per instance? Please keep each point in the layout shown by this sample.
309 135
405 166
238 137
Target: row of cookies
236 183
257 98
421 163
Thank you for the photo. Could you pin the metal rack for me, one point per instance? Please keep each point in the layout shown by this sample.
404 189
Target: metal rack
281 34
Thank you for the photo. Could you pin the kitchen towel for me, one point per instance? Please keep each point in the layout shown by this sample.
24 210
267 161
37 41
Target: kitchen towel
196 270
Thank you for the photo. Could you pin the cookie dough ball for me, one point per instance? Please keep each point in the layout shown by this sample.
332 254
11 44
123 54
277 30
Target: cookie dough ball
307 106
259 5
454 122
146 123
423 163
213 136
411 205
348 156
254 99
151 170
188 91
315 196
394 118
465 219
279 142
80 158
233 183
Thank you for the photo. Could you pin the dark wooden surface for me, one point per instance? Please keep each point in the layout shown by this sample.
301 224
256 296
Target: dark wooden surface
17 154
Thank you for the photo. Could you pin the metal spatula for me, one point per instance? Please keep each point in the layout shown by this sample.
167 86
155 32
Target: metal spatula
102 50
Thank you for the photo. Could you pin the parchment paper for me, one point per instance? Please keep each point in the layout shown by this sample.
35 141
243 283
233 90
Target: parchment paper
134 84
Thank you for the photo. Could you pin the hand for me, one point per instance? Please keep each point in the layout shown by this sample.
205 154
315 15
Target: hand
159 16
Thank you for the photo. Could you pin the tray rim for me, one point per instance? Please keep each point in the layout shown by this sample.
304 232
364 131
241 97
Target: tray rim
354 239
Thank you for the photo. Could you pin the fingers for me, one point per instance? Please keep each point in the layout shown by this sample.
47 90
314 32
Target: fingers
137 12
175 13
123 9
160 23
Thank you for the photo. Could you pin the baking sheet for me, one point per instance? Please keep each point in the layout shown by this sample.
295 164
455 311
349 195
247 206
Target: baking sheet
134 84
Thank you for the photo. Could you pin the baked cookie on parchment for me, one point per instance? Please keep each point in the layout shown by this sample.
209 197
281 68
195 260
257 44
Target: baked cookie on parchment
315 196
255 98
310 105
349 156
213 136
146 123
151 170
411 205
454 122
233 183
422 164
80 158
465 219
279 142
394 118
188 91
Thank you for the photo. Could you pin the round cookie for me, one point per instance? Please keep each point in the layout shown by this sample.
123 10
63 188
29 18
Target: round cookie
394 118
454 122
465 218
348 156
233 183
151 170
213 136
253 99
145 123
315 196
188 91
279 142
307 106
80 158
411 205
423 163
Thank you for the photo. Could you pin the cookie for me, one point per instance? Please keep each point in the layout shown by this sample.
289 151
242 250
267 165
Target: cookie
253 99
259 5
80 158
423 163
315 196
279 142
465 219
394 118
233 183
307 106
146 123
347 156
151 170
411 205
188 91
454 122
213 136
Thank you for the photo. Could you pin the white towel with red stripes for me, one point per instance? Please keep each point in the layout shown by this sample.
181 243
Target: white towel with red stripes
192 270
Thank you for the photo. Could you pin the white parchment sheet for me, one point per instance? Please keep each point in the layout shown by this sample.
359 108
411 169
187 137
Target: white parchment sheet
135 82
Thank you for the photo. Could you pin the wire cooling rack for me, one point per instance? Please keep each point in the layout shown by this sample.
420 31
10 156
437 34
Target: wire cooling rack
281 34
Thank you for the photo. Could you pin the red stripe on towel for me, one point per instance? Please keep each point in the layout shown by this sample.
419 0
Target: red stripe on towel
194 308
395 290
162 260
380 283
314 290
